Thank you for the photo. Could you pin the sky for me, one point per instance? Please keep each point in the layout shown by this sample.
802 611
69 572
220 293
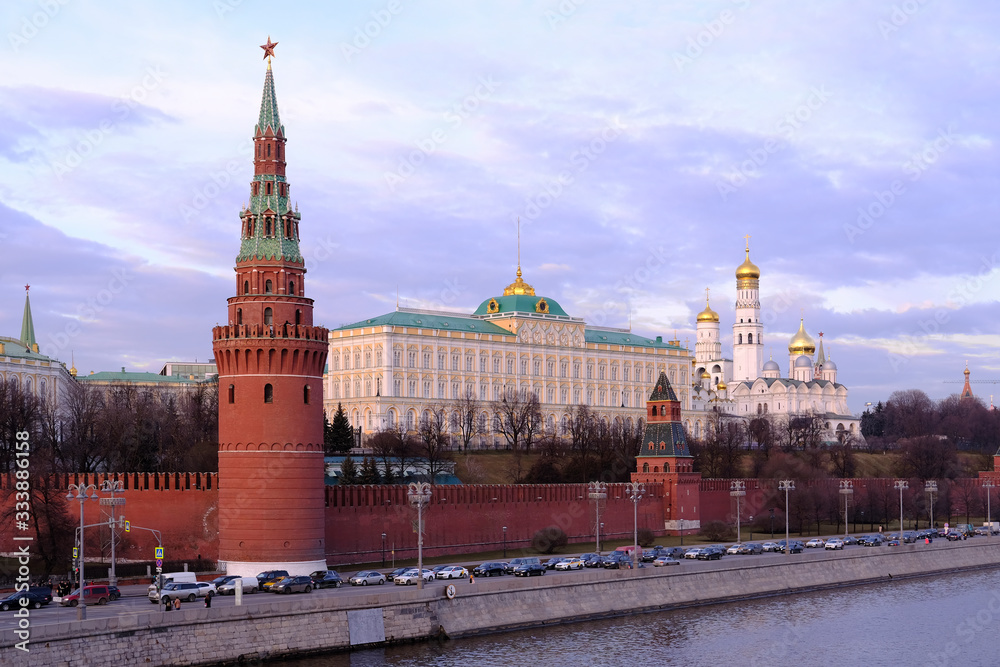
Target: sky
638 143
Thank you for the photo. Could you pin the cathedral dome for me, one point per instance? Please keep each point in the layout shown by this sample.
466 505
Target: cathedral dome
747 270
706 376
708 315
801 342
771 365
829 365
721 386
803 362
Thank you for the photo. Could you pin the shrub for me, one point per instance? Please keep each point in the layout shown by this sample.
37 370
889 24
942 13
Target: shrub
717 531
646 537
548 540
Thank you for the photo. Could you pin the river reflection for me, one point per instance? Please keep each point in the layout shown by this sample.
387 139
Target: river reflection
944 620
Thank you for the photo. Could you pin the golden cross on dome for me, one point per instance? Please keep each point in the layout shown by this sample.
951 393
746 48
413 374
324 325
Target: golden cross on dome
269 49
707 291
747 237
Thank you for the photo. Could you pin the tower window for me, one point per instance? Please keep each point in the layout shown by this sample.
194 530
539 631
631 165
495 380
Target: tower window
305 394
246 286
268 316
291 288
268 187
298 316
239 319
750 338
269 155
232 394
267 227
256 188
268 287
268 393
740 340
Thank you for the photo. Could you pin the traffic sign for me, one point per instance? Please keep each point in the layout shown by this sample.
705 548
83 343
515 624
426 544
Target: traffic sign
159 563
159 553
76 552
128 526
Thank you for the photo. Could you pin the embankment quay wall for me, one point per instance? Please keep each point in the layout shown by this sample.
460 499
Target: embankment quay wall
312 624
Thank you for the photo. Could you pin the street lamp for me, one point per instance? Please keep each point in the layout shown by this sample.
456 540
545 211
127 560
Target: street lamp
787 485
751 527
419 494
930 486
772 523
81 495
635 491
846 490
988 485
738 490
505 541
902 485
598 491
112 487
383 549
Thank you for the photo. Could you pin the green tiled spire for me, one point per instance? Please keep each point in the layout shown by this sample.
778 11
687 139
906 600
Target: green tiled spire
28 325
269 108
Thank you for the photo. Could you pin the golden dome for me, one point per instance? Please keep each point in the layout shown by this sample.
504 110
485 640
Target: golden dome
747 270
519 286
706 376
708 315
801 342
721 386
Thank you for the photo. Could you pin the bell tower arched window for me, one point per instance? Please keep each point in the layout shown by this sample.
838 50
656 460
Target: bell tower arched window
291 288
239 319
268 286
246 286
268 393
268 316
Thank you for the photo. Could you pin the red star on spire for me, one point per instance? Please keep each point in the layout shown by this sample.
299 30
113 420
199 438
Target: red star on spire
269 47
27 287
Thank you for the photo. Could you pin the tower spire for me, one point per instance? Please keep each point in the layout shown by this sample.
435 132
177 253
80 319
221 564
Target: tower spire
967 389
27 324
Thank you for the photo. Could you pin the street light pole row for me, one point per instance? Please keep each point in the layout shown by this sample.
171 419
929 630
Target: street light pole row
738 490
83 492
419 494
635 491
787 485
598 491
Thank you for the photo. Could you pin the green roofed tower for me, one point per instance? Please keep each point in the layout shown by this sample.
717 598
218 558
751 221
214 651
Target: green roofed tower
28 325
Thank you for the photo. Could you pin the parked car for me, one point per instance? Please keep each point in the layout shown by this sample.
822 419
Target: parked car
224 579
692 552
551 563
850 539
269 575
45 592
734 549
796 547
909 537
248 584
710 553
410 577
833 544
570 564
771 547
752 548
596 561
398 571
369 577
490 569
206 588
178 590
617 561
663 561
22 600
452 572
674 552
300 583
815 543
529 570
326 579
268 585
517 562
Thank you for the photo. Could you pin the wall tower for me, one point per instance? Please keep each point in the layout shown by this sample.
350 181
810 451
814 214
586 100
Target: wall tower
270 358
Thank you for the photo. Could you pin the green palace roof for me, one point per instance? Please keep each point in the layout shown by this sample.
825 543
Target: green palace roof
404 318
16 349
137 377
626 338
520 303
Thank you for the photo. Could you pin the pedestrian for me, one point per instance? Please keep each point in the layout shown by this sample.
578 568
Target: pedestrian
177 604
170 606
208 600
472 578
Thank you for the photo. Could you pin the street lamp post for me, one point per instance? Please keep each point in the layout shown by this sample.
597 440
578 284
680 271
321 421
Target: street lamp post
902 485
635 491
112 487
738 490
383 549
846 490
419 494
598 491
787 485
751 527
988 485
81 495
772 523
505 541
930 486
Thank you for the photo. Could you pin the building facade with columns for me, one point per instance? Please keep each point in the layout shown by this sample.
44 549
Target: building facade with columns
394 369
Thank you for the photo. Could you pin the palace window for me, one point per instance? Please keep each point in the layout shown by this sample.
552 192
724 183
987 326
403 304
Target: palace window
550 368
397 357
576 369
590 371
411 359
441 361
427 359
482 364
510 367
537 367
600 372
454 362
412 388
397 387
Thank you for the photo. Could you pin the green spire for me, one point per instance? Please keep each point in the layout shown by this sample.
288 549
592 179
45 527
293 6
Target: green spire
27 325
269 108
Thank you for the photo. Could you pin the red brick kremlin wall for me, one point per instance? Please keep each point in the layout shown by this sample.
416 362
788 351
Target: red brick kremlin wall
460 519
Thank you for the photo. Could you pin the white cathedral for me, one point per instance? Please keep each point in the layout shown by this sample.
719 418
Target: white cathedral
746 386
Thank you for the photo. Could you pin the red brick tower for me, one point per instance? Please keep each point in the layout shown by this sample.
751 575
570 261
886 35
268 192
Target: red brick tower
270 359
664 459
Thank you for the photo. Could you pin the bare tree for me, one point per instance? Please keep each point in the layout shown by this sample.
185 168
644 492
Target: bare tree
433 433
467 410
516 417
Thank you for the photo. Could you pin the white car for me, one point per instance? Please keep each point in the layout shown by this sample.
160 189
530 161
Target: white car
692 553
366 578
663 561
409 578
735 549
833 543
570 564
206 588
815 543
453 572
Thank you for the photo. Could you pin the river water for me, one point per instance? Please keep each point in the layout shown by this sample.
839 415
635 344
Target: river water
944 620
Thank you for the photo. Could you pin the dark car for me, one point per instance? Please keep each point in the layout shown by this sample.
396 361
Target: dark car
113 592
326 579
269 575
651 554
710 553
45 593
551 563
491 569
529 570
616 561
297 584
398 571
796 547
595 561
13 601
